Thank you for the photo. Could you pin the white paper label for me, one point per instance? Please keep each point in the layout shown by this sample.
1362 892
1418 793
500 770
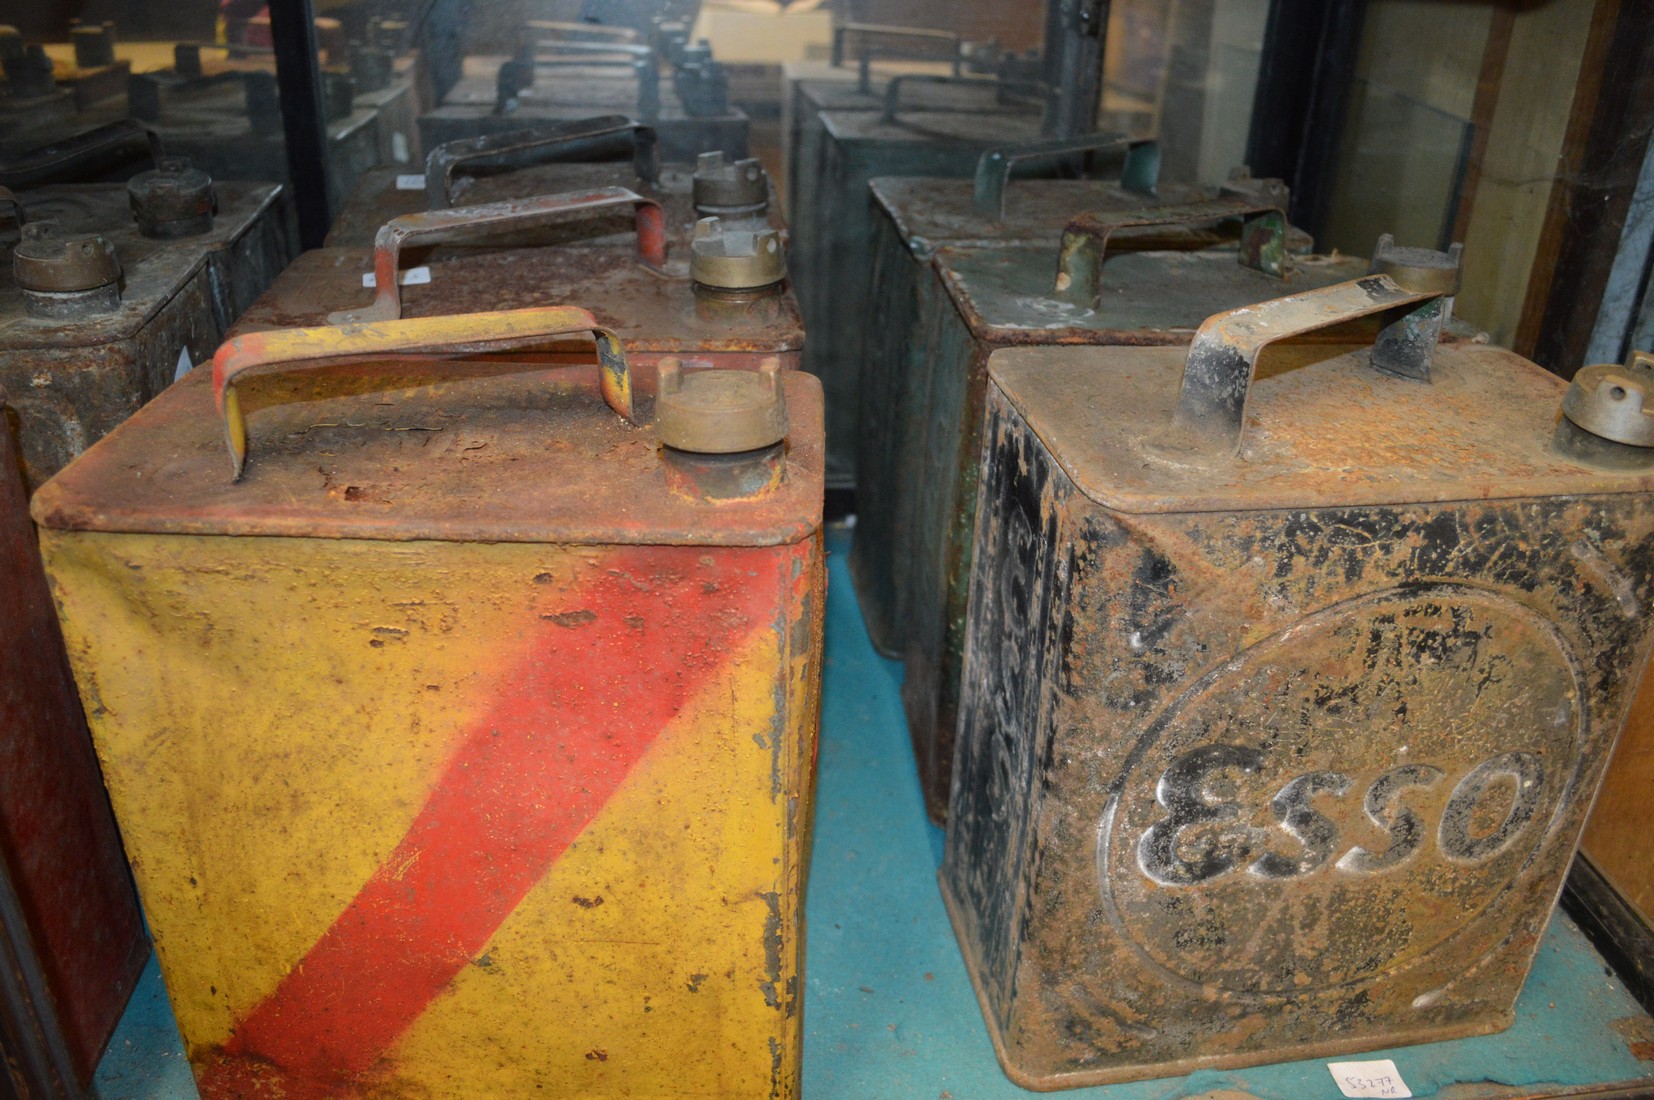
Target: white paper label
184 364
399 147
410 181
414 276
1369 1079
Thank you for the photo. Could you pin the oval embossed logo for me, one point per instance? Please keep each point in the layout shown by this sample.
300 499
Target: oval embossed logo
1345 797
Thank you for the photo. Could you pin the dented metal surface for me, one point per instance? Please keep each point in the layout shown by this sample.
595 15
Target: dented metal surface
1279 754
72 925
582 710
71 381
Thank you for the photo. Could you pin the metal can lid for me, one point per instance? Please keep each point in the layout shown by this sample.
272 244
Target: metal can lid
735 259
722 185
173 191
48 262
1421 270
717 411
1613 401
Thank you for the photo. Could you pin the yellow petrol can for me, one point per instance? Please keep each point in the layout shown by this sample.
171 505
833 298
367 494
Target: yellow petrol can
462 742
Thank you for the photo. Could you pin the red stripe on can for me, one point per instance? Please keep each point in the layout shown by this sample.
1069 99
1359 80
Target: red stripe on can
603 676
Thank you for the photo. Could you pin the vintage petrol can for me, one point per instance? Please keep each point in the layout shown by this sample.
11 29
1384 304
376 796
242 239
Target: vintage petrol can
477 105
724 304
560 158
912 217
71 936
1612 885
997 296
494 778
1288 688
833 225
109 292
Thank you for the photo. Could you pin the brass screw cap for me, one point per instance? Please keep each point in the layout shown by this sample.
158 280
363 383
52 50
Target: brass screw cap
722 187
1612 401
716 411
1420 270
46 262
735 259
174 199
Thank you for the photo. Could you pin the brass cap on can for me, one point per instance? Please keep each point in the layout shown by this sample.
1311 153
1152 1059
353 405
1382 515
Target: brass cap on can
174 199
724 187
1420 270
1613 402
735 259
717 411
47 262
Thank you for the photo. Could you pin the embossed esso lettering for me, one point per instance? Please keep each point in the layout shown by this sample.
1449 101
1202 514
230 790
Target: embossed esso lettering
1205 834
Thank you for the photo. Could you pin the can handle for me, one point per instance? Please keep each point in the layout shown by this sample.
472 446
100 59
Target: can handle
869 31
1085 239
469 222
16 204
537 145
893 90
1217 374
1139 174
64 161
298 349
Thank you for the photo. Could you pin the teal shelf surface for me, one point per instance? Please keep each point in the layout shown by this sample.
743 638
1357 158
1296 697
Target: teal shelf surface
889 1012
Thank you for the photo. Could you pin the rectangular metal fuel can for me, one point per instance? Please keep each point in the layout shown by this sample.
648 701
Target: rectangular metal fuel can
564 158
1277 742
100 310
928 429
914 217
70 930
464 746
720 299
832 221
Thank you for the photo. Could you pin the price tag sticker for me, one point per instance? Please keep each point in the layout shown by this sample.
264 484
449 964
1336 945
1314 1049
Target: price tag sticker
1379 1079
414 276
410 181
400 152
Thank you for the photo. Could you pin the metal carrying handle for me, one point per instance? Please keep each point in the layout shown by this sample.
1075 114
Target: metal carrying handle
299 349
1217 375
595 30
469 222
68 160
592 53
1085 240
870 31
893 90
16 204
537 145
1140 174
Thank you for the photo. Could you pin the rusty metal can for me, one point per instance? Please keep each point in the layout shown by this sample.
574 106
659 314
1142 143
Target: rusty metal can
497 773
647 292
71 935
1288 688
929 410
603 151
832 225
79 353
487 101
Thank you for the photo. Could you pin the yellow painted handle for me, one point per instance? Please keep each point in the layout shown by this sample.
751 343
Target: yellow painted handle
296 349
